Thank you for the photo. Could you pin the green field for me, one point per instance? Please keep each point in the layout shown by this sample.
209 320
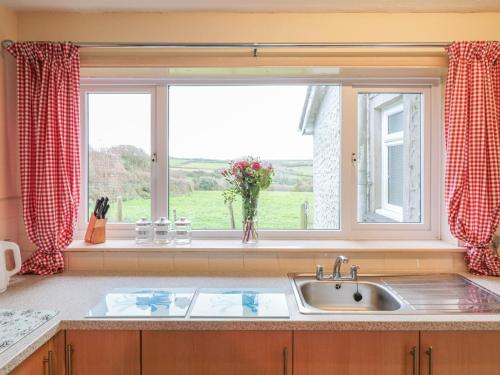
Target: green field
195 187
206 209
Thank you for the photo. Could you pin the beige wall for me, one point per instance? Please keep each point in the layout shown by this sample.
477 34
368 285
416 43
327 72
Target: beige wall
267 27
9 190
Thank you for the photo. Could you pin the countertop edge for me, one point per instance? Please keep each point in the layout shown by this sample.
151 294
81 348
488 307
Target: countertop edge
280 325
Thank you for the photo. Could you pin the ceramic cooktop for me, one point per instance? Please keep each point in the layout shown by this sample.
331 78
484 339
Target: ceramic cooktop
15 324
143 303
240 303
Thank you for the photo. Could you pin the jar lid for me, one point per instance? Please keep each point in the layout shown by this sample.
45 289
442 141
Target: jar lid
182 221
143 221
162 222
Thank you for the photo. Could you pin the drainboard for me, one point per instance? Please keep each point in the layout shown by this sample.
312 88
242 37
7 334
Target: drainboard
447 292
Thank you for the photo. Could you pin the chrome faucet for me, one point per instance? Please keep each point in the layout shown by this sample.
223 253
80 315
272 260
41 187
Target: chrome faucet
336 267
336 274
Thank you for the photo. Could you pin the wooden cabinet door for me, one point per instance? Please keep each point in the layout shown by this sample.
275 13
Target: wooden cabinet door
56 346
35 364
38 362
216 352
103 352
355 353
460 353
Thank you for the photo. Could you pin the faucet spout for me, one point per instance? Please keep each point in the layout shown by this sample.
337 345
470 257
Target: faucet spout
336 267
336 274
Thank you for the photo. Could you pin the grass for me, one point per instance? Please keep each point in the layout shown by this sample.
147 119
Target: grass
206 209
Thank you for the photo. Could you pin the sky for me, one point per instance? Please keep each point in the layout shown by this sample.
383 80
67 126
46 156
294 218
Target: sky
120 119
213 122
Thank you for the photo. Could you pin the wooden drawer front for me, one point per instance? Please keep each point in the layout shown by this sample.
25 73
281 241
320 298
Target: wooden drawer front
460 353
216 352
105 352
354 353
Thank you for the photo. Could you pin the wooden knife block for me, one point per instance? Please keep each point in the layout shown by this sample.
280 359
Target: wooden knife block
96 230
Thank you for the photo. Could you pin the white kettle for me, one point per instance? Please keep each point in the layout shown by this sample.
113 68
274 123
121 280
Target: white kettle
4 273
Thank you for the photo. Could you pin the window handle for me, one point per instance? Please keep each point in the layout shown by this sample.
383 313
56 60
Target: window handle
354 158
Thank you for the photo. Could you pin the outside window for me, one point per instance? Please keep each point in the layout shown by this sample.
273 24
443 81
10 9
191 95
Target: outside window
296 128
389 165
119 153
350 162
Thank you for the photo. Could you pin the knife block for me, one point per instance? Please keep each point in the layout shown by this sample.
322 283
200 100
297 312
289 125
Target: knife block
96 230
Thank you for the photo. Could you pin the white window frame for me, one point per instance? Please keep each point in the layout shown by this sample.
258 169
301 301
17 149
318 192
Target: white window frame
350 87
388 140
429 228
158 168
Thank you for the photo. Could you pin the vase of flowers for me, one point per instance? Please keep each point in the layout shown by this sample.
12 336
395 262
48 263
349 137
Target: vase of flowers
246 178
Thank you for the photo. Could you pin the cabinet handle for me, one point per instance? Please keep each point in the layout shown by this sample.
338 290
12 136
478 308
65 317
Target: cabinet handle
285 361
429 353
46 361
50 362
69 357
413 353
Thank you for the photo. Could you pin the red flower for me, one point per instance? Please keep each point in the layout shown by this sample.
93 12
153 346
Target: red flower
256 166
244 164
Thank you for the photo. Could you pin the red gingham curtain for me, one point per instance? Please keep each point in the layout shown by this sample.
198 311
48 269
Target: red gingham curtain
472 125
48 85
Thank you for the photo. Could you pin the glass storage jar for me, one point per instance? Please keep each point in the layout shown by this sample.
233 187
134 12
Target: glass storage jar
182 231
143 231
162 231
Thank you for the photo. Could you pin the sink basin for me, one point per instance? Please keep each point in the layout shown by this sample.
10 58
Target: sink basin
333 296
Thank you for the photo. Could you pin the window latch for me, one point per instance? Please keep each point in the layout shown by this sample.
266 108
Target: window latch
354 158
154 157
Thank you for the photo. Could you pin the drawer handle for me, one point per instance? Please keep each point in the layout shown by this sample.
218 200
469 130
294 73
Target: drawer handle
285 361
429 353
69 358
413 353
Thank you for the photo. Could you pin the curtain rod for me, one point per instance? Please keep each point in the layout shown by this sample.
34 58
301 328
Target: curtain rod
255 46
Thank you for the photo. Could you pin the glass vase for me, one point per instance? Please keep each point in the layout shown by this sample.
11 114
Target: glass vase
249 233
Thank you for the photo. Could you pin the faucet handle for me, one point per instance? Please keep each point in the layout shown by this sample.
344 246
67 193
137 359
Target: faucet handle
354 272
320 272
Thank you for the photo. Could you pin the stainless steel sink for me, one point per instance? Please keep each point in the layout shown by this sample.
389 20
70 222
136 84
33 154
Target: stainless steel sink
347 296
408 294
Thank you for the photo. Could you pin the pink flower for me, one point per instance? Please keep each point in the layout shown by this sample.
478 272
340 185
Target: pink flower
256 166
244 164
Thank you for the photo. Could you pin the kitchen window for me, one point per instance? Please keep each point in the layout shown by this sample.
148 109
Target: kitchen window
340 152
119 129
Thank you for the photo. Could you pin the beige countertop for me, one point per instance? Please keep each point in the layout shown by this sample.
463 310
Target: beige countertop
73 294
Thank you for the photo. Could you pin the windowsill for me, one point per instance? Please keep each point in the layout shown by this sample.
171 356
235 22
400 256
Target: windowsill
273 246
